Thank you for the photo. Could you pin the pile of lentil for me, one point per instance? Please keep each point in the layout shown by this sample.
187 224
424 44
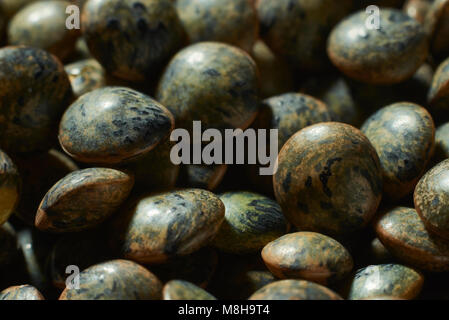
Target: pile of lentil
357 209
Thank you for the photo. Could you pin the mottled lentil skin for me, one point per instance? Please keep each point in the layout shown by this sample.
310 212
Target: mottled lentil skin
404 234
294 290
280 21
276 77
329 179
387 55
309 256
403 135
132 39
43 25
431 199
154 170
442 143
115 280
82 249
52 166
10 187
392 280
24 292
184 290
34 91
83 199
234 22
155 228
251 221
113 124
222 91
85 76
438 97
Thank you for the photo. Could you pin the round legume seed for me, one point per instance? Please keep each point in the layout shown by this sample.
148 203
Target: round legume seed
328 179
132 39
115 280
112 125
386 55
309 256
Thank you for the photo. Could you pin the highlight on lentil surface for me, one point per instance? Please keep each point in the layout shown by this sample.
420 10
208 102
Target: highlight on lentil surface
92 206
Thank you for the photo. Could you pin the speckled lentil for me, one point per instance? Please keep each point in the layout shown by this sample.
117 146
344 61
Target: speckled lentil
115 280
132 39
403 135
24 292
309 256
403 233
234 22
386 280
431 199
251 221
83 199
30 78
387 55
319 169
112 125
222 91
43 25
155 228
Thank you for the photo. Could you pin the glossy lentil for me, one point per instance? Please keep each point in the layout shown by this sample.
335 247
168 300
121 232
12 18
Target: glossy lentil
83 199
328 179
251 221
392 280
403 135
155 228
112 125
388 55
132 39
309 256
404 235
115 280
